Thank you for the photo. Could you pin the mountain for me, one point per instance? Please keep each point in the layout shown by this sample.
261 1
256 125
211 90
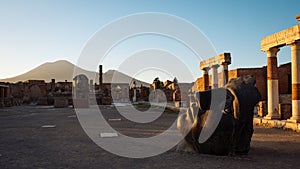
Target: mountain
63 70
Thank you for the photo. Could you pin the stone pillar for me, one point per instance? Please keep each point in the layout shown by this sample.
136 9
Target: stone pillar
295 49
206 78
273 93
100 76
214 76
134 99
224 73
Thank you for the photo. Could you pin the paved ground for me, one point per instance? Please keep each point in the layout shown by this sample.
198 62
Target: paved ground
25 144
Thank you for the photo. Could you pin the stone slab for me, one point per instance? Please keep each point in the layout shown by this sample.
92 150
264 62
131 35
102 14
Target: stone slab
281 38
281 124
217 60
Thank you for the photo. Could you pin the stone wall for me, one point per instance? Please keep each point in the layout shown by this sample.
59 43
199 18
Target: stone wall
284 76
284 73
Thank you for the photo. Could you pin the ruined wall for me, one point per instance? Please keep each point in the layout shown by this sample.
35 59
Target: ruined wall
284 82
198 85
261 78
284 76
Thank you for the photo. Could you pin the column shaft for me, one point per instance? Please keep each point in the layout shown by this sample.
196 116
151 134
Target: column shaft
214 76
295 49
273 93
224 73
206 78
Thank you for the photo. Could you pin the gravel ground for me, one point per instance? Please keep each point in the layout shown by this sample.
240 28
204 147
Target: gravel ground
25 144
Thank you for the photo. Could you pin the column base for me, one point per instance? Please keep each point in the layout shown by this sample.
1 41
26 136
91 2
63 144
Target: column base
215 86
294 119
273 117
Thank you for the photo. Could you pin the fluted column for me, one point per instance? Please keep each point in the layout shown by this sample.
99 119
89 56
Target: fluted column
224 73
214 76
206 78
273 93
295 49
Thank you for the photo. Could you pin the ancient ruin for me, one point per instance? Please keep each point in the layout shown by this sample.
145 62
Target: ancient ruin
35 92
271 45
214 63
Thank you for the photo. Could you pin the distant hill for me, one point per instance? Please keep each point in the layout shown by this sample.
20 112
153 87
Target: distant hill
63 70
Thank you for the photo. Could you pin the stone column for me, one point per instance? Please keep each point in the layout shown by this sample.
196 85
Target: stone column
134 95
224 73
206 78
295 49
273 93
100 76
214 76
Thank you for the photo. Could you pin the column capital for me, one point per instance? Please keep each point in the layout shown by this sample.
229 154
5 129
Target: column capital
272 52
206 69
215 66
225 66
295 44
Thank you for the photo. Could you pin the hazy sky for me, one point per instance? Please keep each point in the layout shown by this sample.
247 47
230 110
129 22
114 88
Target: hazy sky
36 31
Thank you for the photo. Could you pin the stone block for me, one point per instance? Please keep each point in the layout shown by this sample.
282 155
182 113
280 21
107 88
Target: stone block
292 126
279 123
257 121
60 102
268 123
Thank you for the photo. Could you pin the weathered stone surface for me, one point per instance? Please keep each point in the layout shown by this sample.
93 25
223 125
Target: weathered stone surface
235 128
217 60
281 38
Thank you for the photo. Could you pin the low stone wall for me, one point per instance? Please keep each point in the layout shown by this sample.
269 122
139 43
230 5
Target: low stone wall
280 124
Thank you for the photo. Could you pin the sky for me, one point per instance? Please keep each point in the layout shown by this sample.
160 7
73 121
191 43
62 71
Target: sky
33 32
